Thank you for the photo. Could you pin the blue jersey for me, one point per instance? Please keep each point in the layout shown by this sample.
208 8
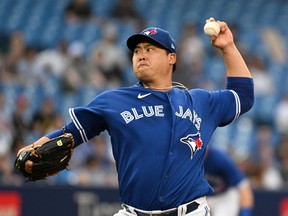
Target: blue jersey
221 171
158 139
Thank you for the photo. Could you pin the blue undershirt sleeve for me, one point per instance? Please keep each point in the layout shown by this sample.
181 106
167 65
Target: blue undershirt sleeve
244 87
69 128
55 134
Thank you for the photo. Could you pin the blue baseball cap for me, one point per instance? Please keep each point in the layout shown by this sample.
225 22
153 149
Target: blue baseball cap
158 35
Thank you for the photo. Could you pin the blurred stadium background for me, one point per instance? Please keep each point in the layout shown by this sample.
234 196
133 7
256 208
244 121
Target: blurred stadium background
54 56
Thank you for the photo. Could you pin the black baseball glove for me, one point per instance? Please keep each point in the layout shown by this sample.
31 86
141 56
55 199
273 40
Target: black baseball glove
48 159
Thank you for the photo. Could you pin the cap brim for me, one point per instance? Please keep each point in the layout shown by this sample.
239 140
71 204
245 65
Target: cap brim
139 38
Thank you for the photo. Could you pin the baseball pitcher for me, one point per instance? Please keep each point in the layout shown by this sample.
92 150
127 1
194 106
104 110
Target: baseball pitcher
159 130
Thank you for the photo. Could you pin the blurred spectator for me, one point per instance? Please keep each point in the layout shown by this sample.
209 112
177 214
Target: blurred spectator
25 67
275 44
54 60
283 159
5 128
263 82
49 68
126 12
191 57
16 48
264 157
265 89
7 175
20 119
57 122
43 119
75 74
6 140
78 10
94 174
7 147
281 115
5 110
100 168
108 60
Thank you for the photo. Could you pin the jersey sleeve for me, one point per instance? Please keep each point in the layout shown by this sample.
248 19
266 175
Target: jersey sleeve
90 120
221 106
224 106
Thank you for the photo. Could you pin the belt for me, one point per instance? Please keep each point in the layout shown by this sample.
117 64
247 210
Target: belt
190 207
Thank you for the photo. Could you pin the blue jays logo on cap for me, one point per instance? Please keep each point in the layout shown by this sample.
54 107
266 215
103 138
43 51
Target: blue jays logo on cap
150 32
158 35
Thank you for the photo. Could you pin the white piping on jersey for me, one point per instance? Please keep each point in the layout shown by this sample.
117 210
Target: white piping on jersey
78 125
238 104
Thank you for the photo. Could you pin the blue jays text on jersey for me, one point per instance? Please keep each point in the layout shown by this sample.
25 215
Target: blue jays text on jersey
159 138
157 111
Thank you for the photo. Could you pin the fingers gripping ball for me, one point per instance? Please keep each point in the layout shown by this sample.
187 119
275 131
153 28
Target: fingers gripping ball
48 159
211 28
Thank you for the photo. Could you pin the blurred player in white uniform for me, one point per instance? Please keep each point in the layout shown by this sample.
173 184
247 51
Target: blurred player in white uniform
232 195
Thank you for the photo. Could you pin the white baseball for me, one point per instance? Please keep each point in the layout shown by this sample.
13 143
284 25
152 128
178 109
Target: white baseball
211 28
